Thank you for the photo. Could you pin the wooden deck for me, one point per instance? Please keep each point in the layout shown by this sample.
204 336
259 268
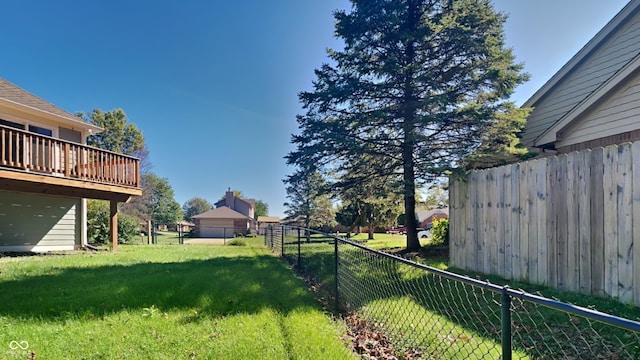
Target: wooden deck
31 162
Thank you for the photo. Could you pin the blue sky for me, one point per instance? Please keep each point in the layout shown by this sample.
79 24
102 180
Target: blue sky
213 84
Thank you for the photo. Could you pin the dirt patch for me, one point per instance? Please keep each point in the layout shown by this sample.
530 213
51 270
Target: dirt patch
18 254
368 341
427 252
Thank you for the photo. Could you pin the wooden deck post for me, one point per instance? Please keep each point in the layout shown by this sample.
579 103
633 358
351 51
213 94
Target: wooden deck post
149 230
113 224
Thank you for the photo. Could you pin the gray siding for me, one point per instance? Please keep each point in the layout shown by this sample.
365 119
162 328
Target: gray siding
32 222
619 113
243 208
599 66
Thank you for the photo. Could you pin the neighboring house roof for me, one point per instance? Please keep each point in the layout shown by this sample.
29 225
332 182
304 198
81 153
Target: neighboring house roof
268 219
251 202
609 58
293 220
425 214
223 202
221 213
185 223
13 95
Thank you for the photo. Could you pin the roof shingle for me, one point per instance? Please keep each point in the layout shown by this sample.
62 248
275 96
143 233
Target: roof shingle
15 94
221 213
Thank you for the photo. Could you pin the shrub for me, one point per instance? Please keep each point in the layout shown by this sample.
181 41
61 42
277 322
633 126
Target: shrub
128 228
440 232
98 223
237 242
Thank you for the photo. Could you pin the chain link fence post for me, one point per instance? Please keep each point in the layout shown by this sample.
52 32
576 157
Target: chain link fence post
335 241
505 301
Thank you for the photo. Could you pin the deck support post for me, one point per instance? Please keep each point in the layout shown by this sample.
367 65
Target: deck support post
113 224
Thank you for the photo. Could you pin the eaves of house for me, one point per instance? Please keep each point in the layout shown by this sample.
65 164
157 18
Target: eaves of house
608 64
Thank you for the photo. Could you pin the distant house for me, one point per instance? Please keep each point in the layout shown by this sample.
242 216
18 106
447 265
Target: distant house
426 217
265 221
221 222
47 172
184 226
246 207
594 99
232 215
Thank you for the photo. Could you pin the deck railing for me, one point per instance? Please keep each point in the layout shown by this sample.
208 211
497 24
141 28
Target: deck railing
43 154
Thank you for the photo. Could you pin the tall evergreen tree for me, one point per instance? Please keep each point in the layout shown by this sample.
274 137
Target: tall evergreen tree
415 86
308 202
373 199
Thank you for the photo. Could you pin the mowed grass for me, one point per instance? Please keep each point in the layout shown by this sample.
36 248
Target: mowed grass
162 302
162 237
385 241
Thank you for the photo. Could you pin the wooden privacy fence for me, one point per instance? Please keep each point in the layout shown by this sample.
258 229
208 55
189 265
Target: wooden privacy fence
568 221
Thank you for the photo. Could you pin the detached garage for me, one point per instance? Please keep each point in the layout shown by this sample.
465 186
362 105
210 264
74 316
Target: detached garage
221 222
32 222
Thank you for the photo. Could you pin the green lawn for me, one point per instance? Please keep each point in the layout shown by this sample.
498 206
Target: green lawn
385 241
162 302
163 237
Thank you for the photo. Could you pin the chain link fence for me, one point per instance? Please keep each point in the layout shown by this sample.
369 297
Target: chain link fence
177 235
435 314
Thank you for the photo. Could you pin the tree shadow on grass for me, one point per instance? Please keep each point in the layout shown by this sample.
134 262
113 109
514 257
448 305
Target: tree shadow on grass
218 287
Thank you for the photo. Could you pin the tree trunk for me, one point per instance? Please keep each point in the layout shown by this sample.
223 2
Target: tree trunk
410 222
370 232
307 234
410 109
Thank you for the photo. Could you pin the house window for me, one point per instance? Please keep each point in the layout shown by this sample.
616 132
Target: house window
11 154
41 150
37 152
69 135
40 130
11 124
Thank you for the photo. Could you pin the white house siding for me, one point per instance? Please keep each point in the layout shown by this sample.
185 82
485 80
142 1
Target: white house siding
32 222
605 61
215 228
619 113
